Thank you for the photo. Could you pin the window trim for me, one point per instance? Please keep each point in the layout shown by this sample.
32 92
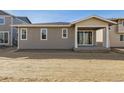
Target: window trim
122 23
66 33
8 37
46 34
3 20
123 38
21 33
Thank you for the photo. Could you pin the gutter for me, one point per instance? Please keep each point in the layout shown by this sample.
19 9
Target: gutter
30 25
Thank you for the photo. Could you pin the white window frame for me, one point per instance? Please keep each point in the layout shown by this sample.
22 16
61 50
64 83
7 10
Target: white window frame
3 20
3 36
123 37
26 33
41 33
66 33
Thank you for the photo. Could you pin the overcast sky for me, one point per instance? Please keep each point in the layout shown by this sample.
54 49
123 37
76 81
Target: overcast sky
37 16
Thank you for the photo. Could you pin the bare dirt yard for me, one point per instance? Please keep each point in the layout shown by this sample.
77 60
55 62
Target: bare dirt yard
60 66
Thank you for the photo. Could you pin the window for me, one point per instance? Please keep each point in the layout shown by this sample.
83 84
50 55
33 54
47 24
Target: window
123 23
4 37
64 33
2 20
43 34
121 37
23 34
110 27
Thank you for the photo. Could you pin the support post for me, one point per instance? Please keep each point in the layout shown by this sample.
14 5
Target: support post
107 37
76 46
11 31
18 38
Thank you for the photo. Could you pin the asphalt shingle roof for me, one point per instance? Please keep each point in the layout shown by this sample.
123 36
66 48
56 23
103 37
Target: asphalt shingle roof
25 19
53 23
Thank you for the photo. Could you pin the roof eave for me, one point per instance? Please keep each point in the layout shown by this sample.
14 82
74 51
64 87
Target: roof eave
41 25
109 21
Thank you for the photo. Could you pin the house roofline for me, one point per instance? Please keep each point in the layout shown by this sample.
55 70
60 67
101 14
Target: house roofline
98 17
72 23
31 25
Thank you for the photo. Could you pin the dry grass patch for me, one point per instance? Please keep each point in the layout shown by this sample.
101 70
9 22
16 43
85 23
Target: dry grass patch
68 66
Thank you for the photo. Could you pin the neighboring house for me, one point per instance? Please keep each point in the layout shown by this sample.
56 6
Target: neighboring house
8 34
117 33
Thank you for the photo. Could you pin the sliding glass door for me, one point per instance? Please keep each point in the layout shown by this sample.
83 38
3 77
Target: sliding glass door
85 38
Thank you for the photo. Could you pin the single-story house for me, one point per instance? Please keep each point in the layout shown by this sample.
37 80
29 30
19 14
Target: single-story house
93 32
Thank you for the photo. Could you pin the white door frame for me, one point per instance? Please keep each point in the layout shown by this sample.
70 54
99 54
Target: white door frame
84 38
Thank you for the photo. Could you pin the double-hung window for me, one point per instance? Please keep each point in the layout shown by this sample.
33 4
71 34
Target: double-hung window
121 37
64 33
2 20
43 34
4 37
23 33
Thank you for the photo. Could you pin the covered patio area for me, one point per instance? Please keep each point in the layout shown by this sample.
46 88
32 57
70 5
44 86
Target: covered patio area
92 39
92 34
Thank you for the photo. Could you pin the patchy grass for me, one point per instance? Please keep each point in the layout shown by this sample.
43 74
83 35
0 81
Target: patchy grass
60 66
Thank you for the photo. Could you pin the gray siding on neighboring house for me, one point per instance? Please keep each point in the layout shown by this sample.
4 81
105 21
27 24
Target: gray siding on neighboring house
54 40
7 27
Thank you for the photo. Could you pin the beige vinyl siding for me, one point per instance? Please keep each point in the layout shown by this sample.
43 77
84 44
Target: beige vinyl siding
92 22
54 39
